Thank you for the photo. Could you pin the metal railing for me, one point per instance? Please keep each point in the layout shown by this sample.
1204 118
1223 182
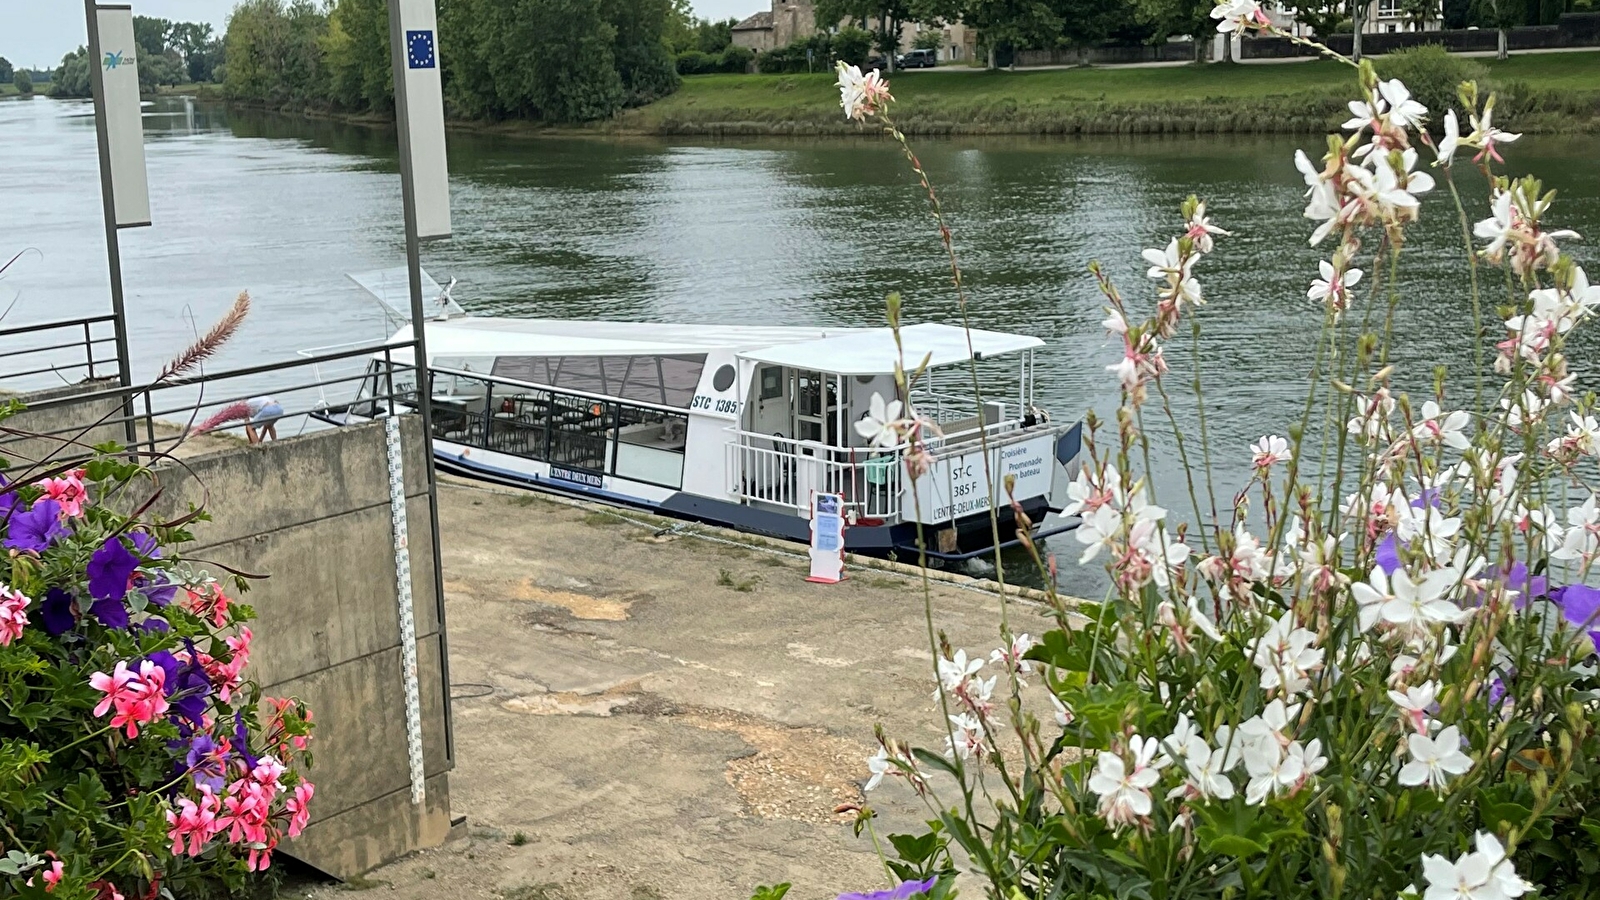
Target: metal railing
71 349
784 472
164 414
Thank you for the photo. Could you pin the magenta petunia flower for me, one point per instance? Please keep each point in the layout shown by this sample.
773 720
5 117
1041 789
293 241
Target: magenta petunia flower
903 891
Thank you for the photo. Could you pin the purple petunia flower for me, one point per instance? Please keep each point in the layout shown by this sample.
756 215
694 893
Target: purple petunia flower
1527 587
56 612
111 613
1580 606
37 528
904 891
145 543
155 625
1388 556
109 570
208 762
156 587
241 741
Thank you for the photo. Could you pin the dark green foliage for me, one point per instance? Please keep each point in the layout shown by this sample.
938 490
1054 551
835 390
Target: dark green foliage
356 53
639 50
1433 76
5 70
23 81
735 60
72 76
693 62
273 52
851 45
1457 13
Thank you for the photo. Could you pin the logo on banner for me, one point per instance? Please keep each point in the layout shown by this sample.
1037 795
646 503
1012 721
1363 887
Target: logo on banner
119 58
419 50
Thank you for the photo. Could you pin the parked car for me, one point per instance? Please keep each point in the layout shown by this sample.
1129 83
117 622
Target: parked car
919 59
875 64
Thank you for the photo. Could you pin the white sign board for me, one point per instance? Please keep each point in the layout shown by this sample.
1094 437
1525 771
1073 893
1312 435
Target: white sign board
421 96
827 538
117 74
955 486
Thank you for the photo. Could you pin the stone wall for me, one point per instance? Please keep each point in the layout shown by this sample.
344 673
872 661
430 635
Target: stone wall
67 429
312 513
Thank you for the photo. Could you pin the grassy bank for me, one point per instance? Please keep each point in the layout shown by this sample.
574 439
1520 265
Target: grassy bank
1543 92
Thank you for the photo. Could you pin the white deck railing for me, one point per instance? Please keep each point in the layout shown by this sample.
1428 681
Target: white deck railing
784 472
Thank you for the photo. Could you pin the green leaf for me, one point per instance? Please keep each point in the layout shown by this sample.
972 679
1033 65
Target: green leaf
915 848
1233 845
1071 651
775 892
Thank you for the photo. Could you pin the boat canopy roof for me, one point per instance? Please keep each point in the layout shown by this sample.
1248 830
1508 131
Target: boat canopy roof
873 351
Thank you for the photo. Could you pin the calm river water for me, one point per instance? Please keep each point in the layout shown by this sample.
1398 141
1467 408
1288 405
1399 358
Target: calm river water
771 231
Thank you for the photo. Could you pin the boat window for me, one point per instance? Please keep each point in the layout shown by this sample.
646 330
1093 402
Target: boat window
650 445
580 432
771 382
667 380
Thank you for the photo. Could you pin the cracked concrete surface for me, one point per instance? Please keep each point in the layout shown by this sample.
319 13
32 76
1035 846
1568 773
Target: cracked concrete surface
627 727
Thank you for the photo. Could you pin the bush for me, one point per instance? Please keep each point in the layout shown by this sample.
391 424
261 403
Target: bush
693 62
735 59
852 46
23 81
1433 75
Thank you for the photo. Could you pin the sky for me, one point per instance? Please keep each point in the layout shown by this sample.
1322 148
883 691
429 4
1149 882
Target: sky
37 34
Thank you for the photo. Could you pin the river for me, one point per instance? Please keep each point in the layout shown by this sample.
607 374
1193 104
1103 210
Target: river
758 231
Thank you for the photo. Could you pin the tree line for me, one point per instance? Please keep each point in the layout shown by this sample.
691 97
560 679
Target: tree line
542 60
167 53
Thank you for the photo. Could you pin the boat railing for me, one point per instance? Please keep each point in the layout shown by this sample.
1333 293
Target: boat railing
784 472
942 406
356 362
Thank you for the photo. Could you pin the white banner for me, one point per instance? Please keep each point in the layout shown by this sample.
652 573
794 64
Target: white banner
420 98
954 486
117 73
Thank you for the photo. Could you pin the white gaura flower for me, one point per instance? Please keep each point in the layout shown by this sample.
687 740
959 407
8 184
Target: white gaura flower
882 424
1125 790
1434 760
1500 227
953 672
1437 530
1268 451
1235 15
1310 754
1370 596
1334 286
1494 852
1269 725
1415 704
1200 229
1272 771
1063 715
966 737
1098 530
878 765
861 95
1421 603
1451 139
1483 874
1011 657
1322 199
1115 322
1203 622
1582 537
1436 425
1363 114
1168 263
1207 769
1404 112
1286 655
1486 136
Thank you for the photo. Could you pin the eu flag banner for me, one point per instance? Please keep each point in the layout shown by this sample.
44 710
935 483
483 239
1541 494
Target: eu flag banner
115 74
420 101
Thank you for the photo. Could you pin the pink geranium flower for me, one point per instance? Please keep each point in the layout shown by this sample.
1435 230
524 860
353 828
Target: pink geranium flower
51 876
12 617
299 807
193 824
209 602
68 491
135 698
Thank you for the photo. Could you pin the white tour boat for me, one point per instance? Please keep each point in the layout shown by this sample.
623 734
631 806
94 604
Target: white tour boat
733 425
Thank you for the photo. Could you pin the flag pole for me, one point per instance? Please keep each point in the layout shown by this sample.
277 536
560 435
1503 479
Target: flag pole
119 312
408 196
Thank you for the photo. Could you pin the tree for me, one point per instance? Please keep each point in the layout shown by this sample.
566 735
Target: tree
1500 15
535 59
1323 17
640 52
23 81
1175 17
71 78
1457 13
5 70
1417 13
1012 23
274 52
883 18
151 35
929 39
356 54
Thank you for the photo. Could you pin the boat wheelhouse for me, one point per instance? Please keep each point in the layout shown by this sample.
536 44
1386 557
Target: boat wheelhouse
737 425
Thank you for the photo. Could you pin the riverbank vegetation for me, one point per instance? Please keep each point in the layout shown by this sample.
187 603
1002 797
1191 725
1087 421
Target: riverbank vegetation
1539 92
169 53
554 61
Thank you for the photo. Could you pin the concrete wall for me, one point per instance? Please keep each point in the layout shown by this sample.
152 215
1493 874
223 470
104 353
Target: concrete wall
71 427
312 513
1571 30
